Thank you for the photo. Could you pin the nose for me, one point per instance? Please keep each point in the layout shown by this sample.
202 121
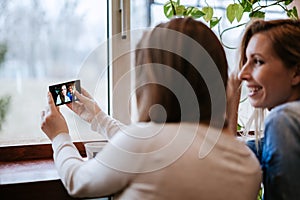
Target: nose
245 73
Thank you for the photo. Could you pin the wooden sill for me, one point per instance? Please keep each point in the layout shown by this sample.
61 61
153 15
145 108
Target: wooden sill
28 172
31 152
35 179
31 163
45 190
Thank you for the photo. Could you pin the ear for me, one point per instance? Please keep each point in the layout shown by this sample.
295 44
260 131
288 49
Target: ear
296 76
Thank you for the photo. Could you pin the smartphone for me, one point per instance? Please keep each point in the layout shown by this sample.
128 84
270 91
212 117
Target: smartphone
63 93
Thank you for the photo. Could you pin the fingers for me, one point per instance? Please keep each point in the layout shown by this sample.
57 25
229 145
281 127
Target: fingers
70 105
234 81
85 93
43 116
82 98
51 104
75 106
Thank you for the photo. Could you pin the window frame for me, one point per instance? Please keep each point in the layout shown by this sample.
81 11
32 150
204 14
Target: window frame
114 73
115 108
14 156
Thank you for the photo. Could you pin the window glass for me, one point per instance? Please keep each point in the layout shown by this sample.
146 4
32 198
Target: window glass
44 43
155 14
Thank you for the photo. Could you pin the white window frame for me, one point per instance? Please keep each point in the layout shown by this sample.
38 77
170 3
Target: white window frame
119 87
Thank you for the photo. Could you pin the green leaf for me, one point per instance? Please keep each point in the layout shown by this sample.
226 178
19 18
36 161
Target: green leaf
230 12
194 12
247 5
257 14
287 2
180 10
292 13
234 11
209 12
295 12
239 12
239 127
254 1
214 21
169 9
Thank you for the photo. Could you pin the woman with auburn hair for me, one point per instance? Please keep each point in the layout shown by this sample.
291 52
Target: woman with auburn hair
181 147
270 66
62 97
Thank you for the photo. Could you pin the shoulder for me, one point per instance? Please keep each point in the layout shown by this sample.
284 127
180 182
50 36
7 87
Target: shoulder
145 147
282 126
288 112
138 137
290 107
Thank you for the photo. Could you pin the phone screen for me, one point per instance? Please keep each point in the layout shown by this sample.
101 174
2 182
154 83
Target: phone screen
63 93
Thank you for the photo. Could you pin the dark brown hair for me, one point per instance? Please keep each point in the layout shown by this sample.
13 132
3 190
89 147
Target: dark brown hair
284 35
154 93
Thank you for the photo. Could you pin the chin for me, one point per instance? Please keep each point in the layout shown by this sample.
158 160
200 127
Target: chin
256 104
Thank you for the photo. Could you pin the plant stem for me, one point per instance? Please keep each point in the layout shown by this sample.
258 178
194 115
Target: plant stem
173 7
228 29
258 8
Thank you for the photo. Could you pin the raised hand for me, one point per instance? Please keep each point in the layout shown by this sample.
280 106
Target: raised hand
233 99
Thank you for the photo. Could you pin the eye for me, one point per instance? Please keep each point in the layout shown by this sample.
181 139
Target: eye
258 61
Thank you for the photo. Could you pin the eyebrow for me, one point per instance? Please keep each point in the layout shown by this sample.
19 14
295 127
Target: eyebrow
254 54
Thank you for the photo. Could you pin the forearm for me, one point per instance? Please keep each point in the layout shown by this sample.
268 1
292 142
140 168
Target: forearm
85 178
233 100
67 160
106 125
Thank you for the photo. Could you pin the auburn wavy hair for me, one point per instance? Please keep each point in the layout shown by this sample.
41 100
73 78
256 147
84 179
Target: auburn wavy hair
154 93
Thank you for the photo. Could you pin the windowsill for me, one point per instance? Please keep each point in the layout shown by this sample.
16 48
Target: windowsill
31 163
27 171
35 178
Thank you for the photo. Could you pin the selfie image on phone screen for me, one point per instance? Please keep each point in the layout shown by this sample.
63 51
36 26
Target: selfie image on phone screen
63 93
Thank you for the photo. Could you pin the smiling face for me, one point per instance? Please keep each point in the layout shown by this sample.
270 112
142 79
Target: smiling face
269 81
64 90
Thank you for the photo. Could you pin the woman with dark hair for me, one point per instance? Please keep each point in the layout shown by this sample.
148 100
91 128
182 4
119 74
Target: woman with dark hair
181 147
62 97
270 66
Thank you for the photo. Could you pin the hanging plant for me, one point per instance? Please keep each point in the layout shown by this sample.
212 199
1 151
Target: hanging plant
234 12
175 9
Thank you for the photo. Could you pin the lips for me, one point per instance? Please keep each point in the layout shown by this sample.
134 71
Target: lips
253 90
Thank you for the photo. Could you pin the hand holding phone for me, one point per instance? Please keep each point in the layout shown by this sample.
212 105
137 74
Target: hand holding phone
63 93
87 108
52 121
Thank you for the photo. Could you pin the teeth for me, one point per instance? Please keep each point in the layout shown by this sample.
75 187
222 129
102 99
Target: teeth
254 89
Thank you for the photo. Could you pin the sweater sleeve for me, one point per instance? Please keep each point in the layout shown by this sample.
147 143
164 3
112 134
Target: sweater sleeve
106 125
85 178
280 158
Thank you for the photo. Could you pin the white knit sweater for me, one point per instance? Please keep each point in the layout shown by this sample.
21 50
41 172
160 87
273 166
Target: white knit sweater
160 161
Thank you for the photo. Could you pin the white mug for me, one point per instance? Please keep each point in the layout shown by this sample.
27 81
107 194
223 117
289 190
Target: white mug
92 148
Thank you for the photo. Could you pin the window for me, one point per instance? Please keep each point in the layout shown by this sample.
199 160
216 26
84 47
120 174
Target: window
47 42
43 43
155 15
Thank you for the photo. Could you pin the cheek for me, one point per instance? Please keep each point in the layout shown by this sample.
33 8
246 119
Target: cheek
262 77
271 79
278 91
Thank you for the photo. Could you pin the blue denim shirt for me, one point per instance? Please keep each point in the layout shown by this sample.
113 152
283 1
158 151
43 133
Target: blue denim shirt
279 153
